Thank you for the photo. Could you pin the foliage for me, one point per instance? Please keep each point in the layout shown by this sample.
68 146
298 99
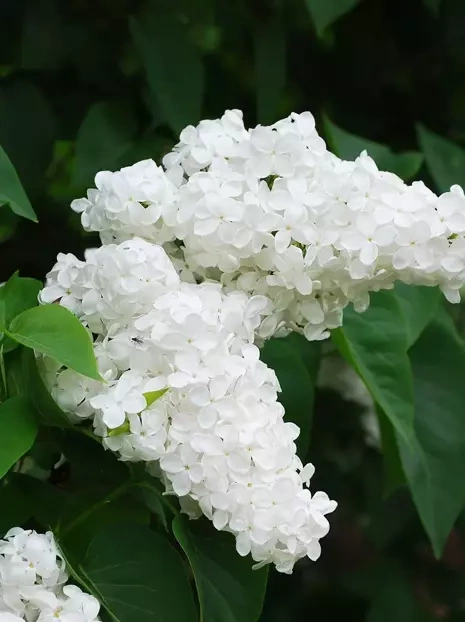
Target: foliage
92 85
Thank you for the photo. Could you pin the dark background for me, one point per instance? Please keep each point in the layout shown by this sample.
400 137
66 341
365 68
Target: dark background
78 94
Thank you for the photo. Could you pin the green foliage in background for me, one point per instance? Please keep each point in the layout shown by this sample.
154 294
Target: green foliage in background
90 85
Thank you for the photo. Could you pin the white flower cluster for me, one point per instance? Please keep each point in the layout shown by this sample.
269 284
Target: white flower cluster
33 582
265 231
187 393
271 211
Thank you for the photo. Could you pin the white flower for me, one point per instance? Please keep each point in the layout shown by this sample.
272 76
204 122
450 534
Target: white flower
183 469
32 558
367 238
410 241
291 271
72 393
6 616
272 153
73 606
124 398
32 578
146 437
127 202
63 285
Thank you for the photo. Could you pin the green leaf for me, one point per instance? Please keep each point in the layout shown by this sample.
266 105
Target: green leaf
435 463
18 430
55 331
229 590
418 305
295 361
104 137
325 12
375 344
270 68
11 191
349 146
173 66
4 393
153 396
24 379
137 575
444 159
17 295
